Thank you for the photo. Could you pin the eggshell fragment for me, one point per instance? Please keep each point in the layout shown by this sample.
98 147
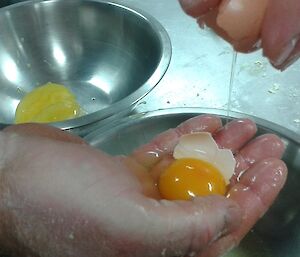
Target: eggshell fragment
202 146
241 19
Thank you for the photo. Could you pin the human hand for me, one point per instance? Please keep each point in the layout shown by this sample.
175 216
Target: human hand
273 25
60 197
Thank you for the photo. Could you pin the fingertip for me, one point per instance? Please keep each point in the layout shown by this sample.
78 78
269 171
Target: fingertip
262 147
280 169
245 124
235 134
197 8
188 7
249 123
277 145
205 122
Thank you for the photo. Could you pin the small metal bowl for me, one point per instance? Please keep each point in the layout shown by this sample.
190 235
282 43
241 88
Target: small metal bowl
109 55
277 234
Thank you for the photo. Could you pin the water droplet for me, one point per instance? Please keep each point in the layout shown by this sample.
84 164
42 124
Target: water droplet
253 179
246 189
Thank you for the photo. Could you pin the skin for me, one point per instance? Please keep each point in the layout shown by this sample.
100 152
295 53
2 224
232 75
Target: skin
61 197
279 33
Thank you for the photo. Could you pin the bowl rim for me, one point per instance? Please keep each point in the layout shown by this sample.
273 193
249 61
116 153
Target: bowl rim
107 129
135 96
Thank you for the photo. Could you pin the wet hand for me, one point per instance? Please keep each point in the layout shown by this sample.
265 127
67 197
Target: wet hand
60 197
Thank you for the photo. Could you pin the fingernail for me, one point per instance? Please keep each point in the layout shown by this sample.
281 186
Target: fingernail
286 52
290 61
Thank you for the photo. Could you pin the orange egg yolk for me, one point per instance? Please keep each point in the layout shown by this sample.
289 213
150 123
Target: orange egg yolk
187 178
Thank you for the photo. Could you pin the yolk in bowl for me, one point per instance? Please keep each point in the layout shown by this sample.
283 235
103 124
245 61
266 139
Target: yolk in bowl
48 103
186 178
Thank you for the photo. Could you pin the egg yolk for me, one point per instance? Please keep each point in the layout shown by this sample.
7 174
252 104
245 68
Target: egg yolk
187 178
48 103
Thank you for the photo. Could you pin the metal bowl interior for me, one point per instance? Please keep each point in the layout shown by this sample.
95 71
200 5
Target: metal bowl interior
277 234
107 54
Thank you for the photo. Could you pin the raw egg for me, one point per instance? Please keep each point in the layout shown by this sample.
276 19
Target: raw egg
200 169
48 103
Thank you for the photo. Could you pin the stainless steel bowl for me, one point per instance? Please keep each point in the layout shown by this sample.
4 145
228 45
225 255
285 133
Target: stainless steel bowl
109 55
278 233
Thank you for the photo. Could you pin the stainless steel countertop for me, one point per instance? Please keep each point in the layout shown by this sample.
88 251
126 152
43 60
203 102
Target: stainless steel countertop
199 73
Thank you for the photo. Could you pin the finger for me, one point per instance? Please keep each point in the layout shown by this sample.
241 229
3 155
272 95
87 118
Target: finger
43 130
281 32
254 194
198 8
260 148
150 154
187 227
235 134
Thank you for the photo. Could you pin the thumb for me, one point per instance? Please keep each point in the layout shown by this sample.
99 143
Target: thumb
186 228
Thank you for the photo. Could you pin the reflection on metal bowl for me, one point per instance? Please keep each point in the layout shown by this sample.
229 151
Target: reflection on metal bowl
109 55
277 234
